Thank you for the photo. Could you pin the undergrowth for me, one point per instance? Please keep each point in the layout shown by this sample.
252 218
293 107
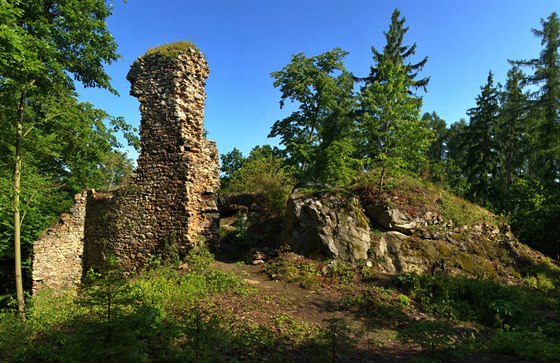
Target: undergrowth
164 314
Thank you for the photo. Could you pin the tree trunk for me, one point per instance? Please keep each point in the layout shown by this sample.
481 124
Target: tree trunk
16 202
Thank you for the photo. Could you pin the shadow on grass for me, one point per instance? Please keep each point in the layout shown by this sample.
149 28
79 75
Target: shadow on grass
147 334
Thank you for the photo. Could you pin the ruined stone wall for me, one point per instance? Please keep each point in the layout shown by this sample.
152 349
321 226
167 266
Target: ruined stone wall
170 204
57 255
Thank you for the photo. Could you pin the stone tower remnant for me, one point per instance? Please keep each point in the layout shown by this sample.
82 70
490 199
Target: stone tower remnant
170 204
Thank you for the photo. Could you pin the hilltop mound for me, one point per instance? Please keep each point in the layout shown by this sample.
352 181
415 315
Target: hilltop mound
408 226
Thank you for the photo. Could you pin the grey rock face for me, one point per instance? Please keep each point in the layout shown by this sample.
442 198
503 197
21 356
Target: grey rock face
328 225
392 219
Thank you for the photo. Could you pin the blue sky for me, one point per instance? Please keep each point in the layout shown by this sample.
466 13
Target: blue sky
245 40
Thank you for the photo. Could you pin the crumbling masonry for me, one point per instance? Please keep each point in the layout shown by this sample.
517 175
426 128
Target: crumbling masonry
169 205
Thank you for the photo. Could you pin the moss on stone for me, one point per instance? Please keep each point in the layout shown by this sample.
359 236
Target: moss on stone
171 50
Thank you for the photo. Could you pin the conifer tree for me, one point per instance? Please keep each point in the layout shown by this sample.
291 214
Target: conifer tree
547 99
395 51
392 135
512 130
482 152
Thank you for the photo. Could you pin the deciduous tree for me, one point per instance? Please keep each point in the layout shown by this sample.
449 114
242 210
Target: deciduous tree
43 43
322 89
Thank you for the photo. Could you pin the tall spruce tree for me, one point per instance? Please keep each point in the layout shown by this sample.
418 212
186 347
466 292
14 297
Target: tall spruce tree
547 99
511 135
392 135
395 51
481 164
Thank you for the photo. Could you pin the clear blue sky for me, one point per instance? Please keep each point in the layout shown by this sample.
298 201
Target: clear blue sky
245 40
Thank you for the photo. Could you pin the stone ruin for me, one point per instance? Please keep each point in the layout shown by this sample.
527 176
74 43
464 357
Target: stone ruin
169 205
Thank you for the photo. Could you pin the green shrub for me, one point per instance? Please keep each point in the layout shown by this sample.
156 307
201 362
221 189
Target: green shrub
432 336
525 344
342 272
455 297
171 50
263 173
301 271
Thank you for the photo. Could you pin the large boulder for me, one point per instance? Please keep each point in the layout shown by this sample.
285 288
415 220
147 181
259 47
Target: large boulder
328 225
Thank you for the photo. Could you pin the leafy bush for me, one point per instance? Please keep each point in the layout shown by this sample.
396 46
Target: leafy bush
525 344
263 173
432 336
298 270
456 297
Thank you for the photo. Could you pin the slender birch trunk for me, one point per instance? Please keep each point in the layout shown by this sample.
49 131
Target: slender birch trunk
16 202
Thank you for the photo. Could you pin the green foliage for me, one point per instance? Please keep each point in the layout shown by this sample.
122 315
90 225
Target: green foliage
337 337
265 174
534 215
434 337
342 272
546 77
481 148
230 163
45 45
385 303
392 135
525 344
322 89
395 51
171 50
158 315
303 272
294 331
508 155
484 301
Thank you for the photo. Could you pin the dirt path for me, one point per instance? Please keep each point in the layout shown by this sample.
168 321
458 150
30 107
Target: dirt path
274 298
375 336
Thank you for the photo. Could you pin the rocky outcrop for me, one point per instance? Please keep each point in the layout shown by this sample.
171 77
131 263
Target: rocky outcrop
391 218
393 241
329 225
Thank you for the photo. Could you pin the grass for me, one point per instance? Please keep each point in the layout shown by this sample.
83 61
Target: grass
417 196
162 315
171 50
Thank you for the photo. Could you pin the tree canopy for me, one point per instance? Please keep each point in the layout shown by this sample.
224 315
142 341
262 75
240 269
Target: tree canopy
43 44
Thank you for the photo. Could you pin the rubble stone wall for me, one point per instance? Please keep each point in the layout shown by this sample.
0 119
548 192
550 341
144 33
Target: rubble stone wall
57 255
170 204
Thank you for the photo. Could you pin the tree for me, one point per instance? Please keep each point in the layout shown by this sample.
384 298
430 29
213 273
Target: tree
230 163
322 88
437 150
482 162
392 135
264 173
42 43
395 51
512 129
547 98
